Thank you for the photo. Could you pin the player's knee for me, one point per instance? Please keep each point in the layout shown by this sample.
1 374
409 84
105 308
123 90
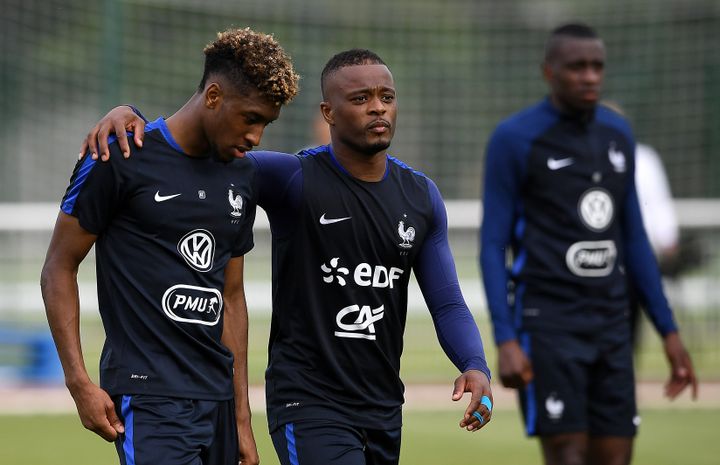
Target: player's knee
565 452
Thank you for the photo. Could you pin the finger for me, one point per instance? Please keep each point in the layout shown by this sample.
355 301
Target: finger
104 151
104 430
91 142
458 388
83 149
122 140
480 420
113 419
139 132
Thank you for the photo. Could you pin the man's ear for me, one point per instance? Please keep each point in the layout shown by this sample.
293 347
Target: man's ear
213 95
547 71
327 113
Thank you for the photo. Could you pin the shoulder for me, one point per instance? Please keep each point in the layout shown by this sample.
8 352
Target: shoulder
529 122
411 176
407 171
516 133
609 118
274 159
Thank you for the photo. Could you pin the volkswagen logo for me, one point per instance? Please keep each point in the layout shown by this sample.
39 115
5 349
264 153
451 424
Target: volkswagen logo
198 249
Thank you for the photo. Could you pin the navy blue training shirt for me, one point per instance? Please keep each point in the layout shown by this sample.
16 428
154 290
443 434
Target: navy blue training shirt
167 225
343 251
560 194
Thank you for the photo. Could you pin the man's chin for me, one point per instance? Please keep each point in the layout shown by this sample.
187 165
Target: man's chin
377 146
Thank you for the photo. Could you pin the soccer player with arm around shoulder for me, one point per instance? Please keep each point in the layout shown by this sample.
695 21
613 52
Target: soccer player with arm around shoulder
559 195
170 226
350 223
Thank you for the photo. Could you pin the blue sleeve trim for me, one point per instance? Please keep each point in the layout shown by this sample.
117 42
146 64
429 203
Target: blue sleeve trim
137 112
165 131
68 203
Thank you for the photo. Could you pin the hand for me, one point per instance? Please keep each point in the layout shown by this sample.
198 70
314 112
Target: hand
118 121
513 365
246 444
478 385
682 373
97 411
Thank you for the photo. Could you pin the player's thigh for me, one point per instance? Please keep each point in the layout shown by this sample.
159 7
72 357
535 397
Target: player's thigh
223 450
382 447
612 409
162 431
319 442
555 401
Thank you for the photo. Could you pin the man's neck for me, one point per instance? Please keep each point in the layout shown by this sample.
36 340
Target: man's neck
574 113
186 128
368 168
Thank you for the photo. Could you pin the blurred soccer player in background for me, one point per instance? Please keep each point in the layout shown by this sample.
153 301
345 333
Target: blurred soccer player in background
560 195
170 226
349 224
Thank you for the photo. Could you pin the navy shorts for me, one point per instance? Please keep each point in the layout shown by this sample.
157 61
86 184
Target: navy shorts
582 383
173 431
323 442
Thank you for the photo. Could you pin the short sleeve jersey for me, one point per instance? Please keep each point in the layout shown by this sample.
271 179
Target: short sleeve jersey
167 225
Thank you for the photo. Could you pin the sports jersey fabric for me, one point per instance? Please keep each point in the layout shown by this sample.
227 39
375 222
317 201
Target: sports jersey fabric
343 251
167 225
560 192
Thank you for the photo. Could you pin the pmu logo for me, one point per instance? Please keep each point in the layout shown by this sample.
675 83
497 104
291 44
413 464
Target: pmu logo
193 304
358 322
198 249
593 259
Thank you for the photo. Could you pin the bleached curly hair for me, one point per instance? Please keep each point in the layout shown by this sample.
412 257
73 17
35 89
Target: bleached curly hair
252 59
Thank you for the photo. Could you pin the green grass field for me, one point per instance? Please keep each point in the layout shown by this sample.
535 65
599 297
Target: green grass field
423 360
666 438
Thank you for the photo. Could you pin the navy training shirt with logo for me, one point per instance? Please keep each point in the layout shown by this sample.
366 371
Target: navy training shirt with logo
343 252
560 192
167 225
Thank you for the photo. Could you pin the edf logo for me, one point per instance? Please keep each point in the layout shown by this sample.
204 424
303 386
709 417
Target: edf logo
364 274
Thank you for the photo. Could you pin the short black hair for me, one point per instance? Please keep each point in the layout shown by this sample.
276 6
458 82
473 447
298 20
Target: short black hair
570 30
353 57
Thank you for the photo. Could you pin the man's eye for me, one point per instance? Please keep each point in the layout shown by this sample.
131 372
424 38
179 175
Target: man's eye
359 99
388 98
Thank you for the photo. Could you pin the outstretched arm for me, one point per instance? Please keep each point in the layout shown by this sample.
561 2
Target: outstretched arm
118 121
69 245
454 324
235 338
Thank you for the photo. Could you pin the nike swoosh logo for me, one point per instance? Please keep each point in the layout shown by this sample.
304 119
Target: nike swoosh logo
162 198
324 220
556 164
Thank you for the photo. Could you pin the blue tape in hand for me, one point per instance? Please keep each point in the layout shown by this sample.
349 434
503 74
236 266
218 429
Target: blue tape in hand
479 417
486 402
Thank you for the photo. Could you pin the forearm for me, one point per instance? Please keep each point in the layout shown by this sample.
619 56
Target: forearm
62 306
456 330
235 337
